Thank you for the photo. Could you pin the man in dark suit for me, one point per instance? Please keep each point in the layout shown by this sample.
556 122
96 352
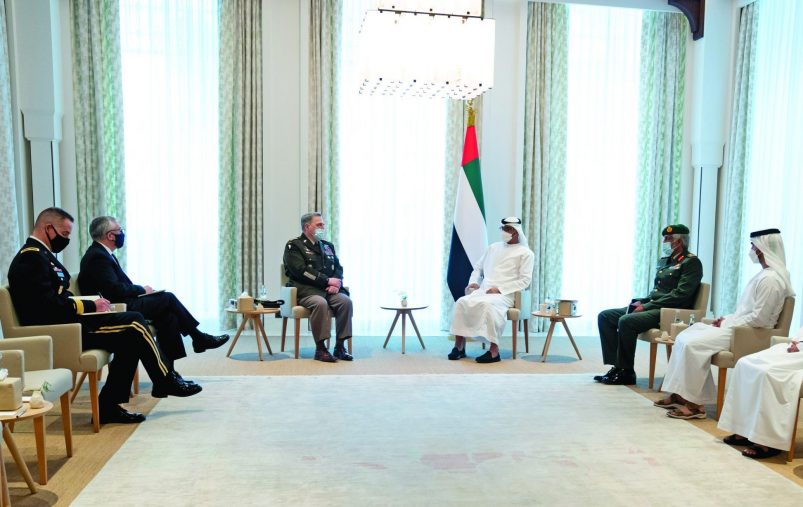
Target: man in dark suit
39 284
311 264
102 274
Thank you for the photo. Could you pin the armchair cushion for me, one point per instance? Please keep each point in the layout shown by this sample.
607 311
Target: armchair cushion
60 381
37 350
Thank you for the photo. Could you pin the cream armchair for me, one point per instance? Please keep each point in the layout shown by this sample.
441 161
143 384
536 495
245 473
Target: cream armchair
519 313
292 310
31 359
748 340
67 348
668 316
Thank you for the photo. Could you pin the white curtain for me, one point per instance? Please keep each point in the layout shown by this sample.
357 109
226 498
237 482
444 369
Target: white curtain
774 164
170 93
392 155
601 160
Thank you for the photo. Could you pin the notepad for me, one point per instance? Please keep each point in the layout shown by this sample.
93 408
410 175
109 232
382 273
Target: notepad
151 294
14 413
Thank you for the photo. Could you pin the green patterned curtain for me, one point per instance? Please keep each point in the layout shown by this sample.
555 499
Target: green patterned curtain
545 136
456 123
660 157
98 110
324 51
9 226
731 244
241 263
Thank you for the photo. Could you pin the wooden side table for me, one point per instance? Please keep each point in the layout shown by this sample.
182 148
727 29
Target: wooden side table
255 316
38 417
554 319
404 312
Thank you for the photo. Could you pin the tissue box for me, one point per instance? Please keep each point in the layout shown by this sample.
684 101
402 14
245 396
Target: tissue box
245 304
11 393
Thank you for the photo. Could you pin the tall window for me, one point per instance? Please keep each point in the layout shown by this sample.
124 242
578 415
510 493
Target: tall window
773 186
170 92
392 156
603 98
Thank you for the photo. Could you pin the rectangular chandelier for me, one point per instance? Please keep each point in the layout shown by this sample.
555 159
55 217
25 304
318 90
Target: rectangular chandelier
426 48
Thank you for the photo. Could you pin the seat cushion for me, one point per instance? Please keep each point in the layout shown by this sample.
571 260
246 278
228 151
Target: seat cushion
60 381
299 312
513 314
94 359
650 335
724 359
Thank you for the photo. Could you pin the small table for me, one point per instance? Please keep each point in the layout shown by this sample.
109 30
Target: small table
404 312
255 316
38 416
554 319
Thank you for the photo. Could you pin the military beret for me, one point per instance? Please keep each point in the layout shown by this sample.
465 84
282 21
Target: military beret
675 229
756 234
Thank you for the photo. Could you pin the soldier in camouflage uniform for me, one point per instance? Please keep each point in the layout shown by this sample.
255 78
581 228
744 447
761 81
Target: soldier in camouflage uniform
678 276
313 268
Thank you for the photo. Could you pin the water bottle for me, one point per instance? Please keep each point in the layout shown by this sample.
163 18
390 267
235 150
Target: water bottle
263 292
677 318
691 319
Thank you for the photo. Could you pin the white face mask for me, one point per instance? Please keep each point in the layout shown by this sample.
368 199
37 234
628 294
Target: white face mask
506 236
666 249
319 233
753 256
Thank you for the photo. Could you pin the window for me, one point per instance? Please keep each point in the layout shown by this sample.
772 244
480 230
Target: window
170 99
390 223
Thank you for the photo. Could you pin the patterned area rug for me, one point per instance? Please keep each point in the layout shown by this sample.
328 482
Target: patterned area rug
425 440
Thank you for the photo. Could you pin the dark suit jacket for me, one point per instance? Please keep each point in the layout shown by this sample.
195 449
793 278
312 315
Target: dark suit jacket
102 274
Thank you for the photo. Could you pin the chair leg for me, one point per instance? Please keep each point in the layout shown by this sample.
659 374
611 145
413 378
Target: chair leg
93 398
297 334
653 353
66 422
135 384
350 350
723 373
526 326
791 455
514 338
284 331
78 386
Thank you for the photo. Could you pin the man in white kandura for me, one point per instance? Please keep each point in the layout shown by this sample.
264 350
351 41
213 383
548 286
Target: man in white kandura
761 405
505 268
688 375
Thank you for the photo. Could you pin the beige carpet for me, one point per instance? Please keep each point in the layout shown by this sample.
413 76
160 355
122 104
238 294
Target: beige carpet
425 440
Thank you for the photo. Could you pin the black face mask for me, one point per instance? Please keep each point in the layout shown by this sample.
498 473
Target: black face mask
119 239
58 243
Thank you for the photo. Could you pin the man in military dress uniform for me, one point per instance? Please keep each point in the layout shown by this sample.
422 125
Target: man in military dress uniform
38 284
102 274
313 268
676 283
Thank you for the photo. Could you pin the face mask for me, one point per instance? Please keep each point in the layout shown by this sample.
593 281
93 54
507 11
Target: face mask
58 243
119 239
319 233
666 249
753 256
506 236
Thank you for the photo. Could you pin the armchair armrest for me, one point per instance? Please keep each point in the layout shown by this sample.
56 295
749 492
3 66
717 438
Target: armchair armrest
775 340
14 362
288 295
37 349
67 346
748 340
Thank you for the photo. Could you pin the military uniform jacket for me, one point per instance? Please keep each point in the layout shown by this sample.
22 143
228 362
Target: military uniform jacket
38 284
102 274
310 266
676 282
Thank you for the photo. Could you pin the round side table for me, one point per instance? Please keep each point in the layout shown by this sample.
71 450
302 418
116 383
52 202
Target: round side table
404 312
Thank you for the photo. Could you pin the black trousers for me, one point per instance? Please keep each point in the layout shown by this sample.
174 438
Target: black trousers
618 333
171 319
126 336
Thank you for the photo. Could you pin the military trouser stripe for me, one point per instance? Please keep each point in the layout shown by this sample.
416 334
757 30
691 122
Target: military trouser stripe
145 334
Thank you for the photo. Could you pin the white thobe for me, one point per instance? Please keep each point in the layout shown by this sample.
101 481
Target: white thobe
762 401
689 371
481 315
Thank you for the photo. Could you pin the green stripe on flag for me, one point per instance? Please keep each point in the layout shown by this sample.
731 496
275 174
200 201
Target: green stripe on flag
472 172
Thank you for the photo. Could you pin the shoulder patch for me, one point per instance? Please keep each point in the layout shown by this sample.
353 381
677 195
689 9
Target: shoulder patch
29 249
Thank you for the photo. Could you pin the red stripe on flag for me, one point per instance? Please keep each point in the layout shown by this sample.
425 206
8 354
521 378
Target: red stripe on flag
470 151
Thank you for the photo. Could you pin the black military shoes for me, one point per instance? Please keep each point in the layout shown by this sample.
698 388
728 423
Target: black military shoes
117 414
174 385
324 356
207 341
623 377
611 372
340 353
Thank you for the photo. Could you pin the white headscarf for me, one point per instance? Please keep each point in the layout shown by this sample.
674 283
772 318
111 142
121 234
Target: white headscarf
515 222
771 245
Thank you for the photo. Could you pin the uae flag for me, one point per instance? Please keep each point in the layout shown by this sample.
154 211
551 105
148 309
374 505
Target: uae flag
468 232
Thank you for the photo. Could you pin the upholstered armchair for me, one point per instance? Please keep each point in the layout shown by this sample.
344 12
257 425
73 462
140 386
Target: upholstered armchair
519 313
790 455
